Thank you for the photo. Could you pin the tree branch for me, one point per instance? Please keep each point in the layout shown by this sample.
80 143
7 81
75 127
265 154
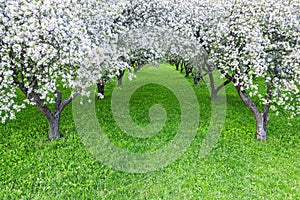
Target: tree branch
69 99
58 99
248 101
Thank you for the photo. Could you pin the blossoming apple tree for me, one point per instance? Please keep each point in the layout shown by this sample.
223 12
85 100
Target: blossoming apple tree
256 46
48 45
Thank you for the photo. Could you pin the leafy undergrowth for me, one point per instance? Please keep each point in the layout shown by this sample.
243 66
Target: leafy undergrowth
238 167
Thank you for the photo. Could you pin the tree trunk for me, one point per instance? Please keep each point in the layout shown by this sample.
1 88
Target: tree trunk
181 67
261 118
214 90
188 70
53 120
101 88
214 94
54 124
212 86
120 77
261 126
138 68
196 81
120 81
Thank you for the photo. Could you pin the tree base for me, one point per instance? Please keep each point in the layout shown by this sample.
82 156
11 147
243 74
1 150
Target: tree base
261 137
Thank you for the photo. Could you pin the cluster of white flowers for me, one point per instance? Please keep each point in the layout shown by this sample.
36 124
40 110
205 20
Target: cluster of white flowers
255 44
48 44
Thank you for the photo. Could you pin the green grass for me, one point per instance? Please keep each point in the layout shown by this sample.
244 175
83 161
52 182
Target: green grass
238 167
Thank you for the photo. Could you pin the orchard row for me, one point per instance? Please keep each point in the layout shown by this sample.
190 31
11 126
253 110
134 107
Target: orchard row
48 44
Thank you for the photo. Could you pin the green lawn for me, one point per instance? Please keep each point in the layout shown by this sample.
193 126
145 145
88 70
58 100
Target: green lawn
238 167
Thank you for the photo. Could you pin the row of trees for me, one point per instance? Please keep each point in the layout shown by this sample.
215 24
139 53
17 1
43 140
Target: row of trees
48 44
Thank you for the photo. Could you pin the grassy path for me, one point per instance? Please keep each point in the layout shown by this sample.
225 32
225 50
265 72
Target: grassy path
238 167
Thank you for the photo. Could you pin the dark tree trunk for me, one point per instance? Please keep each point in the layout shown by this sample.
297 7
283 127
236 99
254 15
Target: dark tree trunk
177 66
196 80
101 88
53 120
172 62
214 94
181 67
54 124
214 90
187 70
120 80
212 85
176 62
261 118
120 77
137 68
